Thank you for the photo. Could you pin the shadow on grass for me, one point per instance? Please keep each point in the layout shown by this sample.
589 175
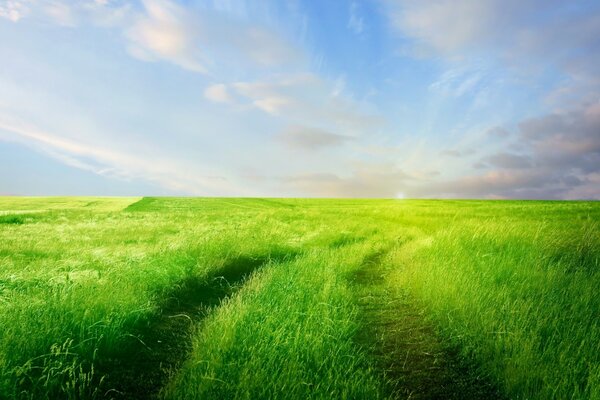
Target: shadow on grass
157 347
11 219
414 361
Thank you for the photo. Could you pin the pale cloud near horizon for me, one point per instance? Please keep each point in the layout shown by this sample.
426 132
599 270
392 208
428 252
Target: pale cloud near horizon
381 181
559 149
169 173
310 139
560 157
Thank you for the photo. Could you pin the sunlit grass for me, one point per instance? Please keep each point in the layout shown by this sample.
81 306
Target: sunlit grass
518 293
512 285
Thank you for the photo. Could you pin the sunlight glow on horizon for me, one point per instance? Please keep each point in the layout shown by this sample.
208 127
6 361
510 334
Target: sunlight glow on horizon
377 98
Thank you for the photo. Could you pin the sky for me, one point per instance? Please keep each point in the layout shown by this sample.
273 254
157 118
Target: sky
301 98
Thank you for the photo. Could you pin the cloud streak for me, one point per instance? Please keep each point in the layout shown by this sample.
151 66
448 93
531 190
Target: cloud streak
166 32
13 10
561 160
218 93
199 42
306 98
367 181
356 22
111 162
307 138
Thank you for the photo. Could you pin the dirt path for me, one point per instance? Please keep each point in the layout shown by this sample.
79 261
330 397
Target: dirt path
156 348
415 362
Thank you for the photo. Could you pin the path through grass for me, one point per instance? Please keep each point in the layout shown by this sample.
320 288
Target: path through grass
140 372
413 360
253 298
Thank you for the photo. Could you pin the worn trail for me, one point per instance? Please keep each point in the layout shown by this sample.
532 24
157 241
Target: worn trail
157 347
415 362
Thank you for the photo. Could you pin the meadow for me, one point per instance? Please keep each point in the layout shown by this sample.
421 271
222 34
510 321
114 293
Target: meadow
207 298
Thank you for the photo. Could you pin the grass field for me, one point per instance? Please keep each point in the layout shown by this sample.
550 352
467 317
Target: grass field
193 298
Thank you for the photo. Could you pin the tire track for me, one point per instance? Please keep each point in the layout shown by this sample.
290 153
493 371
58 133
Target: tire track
155 349
414 362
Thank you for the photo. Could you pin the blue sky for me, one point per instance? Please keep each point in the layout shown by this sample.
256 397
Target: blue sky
374 98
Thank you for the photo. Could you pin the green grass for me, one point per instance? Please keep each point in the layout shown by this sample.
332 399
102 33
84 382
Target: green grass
259 298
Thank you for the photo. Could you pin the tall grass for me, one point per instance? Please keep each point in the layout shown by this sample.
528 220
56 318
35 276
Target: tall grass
290 330
74 283
517 293
513 285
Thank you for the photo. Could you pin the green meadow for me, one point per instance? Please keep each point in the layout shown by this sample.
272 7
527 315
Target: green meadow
206 298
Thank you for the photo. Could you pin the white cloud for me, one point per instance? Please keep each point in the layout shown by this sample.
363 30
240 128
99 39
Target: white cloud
524 34
13 10
218 93
307 138
104 13
452 27
61 13
207 42
67 13
356 22
558 157
371 181
166 32
458 81
264 47
308 99
522 43
274 104
171 173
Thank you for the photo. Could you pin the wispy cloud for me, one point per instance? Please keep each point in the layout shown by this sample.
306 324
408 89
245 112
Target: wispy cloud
375 180
458 81
509 160
552 155
356 22
522 34
218 93
169 173
166 31
456 27
204 42
307 138
61 13
68 14
308 99
13 10
492 99
560 158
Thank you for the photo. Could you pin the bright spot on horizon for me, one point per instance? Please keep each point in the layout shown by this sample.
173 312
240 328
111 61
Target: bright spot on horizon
300 98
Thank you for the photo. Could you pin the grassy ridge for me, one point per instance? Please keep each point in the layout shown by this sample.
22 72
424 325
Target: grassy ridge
83 282
289 331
